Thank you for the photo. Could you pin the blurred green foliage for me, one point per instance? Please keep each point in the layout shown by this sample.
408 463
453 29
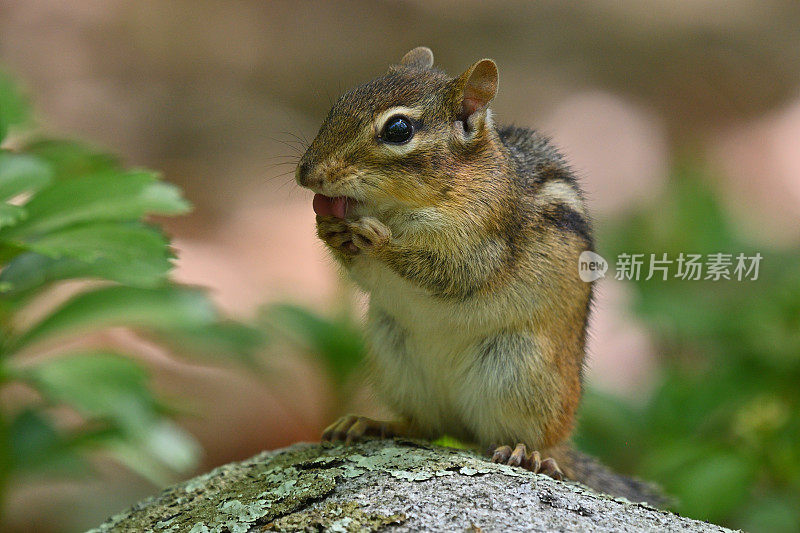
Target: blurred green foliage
721 430
335 339
69 212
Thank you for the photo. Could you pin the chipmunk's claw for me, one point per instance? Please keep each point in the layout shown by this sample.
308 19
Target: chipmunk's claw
519 457
501 454
353 428
550 468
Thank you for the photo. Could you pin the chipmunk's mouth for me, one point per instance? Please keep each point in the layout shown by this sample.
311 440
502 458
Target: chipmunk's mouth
338 206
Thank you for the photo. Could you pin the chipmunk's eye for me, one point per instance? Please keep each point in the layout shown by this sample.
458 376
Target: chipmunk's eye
397 130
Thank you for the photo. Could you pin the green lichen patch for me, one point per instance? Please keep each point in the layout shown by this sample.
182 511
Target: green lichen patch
269 487
338 517
232 498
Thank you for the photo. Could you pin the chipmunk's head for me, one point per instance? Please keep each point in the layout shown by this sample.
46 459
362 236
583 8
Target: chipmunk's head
402 140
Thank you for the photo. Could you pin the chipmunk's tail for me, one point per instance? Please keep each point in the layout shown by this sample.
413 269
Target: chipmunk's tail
585 469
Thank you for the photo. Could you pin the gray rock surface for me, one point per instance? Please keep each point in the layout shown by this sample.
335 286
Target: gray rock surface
387 486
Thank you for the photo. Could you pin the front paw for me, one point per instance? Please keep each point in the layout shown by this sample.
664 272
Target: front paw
335 233
369 234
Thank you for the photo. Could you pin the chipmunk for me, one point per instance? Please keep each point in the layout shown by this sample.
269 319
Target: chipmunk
466 237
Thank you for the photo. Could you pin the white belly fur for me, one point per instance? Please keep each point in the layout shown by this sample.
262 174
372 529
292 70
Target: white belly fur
433 379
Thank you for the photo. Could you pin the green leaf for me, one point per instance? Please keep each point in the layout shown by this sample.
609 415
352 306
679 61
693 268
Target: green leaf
33 438
133 253
146 266
102 197
21 173
14 108
713 487
37 446
161 308
130 253
171 445
105 387
773 512
163 444
99 386
131 242
8 251
451 442
11 214
72 159
222 339
339 342
607 428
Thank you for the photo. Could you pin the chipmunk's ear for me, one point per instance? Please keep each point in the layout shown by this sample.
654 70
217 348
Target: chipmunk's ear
475 88
419 57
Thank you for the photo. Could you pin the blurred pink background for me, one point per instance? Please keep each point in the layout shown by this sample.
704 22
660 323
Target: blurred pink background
215 93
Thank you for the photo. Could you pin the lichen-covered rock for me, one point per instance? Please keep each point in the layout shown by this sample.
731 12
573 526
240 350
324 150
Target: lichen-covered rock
384 485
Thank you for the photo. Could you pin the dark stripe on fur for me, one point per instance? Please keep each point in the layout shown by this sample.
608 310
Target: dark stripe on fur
568 219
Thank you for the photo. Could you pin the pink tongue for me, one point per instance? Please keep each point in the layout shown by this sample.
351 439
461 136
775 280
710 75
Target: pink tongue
325 205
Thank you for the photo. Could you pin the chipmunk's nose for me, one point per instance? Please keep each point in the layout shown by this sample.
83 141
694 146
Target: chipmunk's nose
302 174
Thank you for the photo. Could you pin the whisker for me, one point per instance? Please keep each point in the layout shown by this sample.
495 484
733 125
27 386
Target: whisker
284 185
281 164
287 173
301 140
291 144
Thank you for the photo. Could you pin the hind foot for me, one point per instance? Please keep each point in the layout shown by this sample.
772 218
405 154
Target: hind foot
519 457
352 428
